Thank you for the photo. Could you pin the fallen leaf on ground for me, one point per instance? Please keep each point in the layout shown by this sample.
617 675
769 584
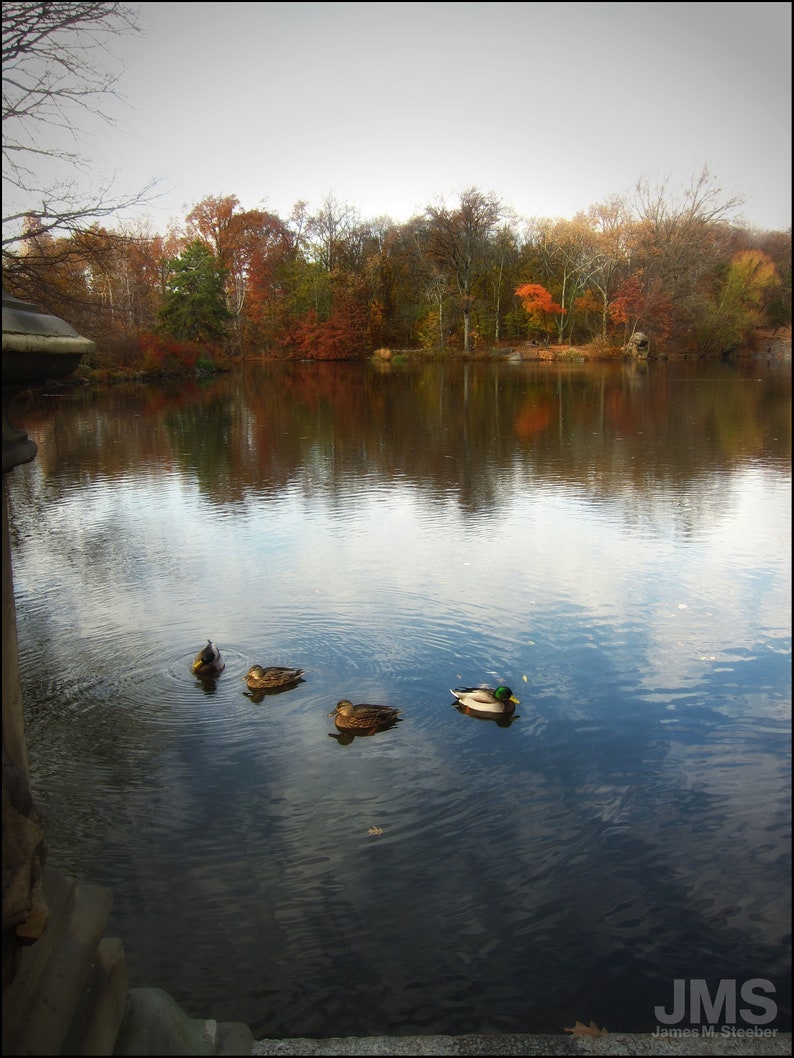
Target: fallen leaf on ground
587 1030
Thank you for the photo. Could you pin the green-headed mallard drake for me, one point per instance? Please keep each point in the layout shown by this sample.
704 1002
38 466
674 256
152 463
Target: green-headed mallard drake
208 662
486 701
272 678
364 717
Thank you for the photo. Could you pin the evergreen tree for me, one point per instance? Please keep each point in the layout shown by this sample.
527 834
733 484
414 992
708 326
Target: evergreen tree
194 306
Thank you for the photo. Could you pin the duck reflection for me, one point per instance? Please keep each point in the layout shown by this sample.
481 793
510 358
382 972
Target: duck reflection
505 720
344 738
207 684
257 696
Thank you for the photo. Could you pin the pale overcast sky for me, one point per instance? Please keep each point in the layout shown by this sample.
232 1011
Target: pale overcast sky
554 107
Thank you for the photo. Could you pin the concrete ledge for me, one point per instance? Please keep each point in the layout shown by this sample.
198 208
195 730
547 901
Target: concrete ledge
154 1023
619 1043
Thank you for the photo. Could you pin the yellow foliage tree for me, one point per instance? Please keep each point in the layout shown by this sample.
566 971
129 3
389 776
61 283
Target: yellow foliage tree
750 279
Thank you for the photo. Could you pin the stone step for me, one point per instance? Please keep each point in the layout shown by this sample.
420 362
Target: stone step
59 895
44 997
99 1015
155 1024
70 995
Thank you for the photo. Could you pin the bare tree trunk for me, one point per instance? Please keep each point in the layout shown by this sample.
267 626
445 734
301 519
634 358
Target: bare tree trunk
498 299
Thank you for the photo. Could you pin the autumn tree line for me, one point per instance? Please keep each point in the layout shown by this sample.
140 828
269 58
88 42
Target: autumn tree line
459 278
462 277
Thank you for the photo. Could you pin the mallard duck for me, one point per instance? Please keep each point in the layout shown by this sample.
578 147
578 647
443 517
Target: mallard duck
272 678
486 701
208 662
364 717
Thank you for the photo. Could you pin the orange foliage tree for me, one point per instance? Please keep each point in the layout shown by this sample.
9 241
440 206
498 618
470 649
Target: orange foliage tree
539 306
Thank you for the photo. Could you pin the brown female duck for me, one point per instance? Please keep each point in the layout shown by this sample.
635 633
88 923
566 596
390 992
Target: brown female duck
272 678
364 717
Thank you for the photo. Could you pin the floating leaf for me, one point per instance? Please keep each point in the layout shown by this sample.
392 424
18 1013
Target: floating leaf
375 831
525 679
587 1030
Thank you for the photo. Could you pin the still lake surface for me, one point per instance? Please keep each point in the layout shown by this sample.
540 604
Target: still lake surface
611 541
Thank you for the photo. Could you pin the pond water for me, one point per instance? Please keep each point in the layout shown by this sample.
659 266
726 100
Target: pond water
612 542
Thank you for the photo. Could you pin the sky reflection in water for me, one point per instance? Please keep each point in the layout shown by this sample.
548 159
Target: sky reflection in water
614 545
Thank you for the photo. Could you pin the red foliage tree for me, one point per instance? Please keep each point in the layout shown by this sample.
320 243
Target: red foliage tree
342 336
640 306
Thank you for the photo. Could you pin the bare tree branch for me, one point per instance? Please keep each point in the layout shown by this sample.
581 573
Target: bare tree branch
57 67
